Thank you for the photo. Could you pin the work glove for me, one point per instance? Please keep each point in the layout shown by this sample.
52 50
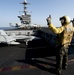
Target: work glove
48 20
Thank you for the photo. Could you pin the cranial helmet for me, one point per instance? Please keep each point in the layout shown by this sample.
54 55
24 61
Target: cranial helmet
65 20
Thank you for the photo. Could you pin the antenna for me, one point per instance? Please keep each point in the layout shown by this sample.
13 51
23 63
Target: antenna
26 17
25 1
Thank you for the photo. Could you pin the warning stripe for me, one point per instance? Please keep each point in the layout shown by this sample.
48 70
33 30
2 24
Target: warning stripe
26 66
13 68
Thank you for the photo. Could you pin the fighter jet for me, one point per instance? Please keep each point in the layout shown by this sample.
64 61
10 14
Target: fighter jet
17 25
25 38
4 38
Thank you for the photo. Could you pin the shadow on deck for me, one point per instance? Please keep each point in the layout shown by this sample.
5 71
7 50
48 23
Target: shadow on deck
41 55
40 49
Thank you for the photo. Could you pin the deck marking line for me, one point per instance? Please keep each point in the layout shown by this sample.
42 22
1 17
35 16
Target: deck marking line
13 68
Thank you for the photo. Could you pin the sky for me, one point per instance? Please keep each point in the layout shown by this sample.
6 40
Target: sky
39 10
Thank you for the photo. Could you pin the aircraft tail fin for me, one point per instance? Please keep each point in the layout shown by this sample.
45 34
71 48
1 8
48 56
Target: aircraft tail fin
2 32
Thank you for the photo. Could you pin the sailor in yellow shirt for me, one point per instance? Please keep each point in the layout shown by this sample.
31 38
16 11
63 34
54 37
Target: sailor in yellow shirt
64 38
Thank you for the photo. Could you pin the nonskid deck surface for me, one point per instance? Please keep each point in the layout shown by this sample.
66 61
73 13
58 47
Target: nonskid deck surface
35 59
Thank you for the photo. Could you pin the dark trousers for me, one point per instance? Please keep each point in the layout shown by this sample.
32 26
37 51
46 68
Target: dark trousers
61 57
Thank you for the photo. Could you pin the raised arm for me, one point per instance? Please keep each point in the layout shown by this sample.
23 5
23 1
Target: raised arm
53 28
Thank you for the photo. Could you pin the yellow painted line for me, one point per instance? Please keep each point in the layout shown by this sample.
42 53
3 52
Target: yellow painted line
32 67
15 68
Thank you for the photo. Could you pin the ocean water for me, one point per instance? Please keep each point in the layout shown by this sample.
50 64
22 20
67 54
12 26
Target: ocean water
5 28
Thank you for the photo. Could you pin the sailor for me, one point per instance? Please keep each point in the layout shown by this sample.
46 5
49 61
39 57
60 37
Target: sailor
65 34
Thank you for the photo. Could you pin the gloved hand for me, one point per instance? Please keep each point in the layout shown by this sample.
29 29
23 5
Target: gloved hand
48 20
